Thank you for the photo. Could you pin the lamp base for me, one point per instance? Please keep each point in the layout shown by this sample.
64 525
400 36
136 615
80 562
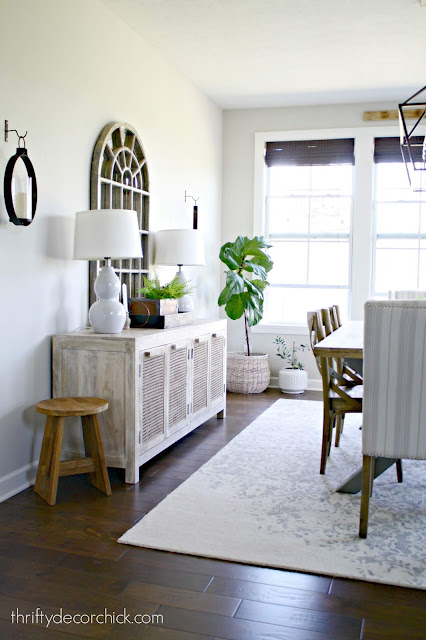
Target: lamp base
107 315
185 302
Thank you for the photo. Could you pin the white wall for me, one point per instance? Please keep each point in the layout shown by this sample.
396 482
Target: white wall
69 68
239 128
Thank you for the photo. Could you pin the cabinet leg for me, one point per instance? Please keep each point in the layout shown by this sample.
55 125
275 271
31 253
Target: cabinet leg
221 414
132 475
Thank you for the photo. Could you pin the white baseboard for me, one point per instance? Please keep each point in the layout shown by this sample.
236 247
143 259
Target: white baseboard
20 479
313 385
17 481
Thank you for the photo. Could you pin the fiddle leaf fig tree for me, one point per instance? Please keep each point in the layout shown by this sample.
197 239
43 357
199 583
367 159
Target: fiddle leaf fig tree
246 279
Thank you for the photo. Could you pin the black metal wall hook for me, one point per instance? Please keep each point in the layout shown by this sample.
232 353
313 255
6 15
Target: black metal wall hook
195 214
188 196
7 131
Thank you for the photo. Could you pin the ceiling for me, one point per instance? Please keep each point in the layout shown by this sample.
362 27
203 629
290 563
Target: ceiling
271 53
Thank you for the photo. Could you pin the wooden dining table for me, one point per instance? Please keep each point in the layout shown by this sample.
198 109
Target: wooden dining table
348 342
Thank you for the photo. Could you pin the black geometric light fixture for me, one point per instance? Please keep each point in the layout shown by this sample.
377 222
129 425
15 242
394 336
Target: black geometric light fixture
20 184
413 137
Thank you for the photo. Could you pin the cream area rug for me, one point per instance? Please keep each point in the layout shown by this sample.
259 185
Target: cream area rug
261 500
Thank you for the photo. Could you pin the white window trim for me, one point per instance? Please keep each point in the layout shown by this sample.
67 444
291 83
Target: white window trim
362 214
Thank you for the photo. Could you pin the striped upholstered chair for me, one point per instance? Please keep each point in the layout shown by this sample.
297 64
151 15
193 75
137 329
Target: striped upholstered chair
394 409
414 294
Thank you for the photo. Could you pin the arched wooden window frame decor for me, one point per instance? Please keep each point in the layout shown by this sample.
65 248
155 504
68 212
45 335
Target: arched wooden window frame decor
120 180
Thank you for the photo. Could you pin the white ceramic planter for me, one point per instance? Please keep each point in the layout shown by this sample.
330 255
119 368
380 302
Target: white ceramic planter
293 380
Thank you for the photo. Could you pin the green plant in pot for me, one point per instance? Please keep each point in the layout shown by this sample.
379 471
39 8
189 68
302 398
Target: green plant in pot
293 378
246 279
157 299
174 289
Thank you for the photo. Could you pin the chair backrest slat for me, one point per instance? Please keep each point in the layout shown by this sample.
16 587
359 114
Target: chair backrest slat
326 319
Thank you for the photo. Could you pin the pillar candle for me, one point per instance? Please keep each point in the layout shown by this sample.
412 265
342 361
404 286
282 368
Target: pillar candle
21 206
124 296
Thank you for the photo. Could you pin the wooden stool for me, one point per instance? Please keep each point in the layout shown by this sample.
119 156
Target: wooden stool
50 466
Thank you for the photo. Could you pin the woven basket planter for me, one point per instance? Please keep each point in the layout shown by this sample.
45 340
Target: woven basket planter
247 374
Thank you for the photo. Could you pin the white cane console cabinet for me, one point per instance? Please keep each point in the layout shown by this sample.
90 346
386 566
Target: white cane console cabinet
160 384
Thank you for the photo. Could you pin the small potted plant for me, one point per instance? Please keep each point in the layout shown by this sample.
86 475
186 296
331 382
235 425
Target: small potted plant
248 265
160 299
293 378
158 306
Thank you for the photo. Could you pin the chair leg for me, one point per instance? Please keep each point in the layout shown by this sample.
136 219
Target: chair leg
399 471
46 484
327 429
330 434
373 475
94 449
339 429
366 484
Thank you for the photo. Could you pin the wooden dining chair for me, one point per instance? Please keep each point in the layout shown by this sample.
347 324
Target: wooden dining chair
331 322
335 317
342 388
394 411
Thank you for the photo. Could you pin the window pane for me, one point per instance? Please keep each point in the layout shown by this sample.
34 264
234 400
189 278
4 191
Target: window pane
288 215
330 215
423 217
290 262
397 243
329 263
392 182
397 217
396 269
315 203
292 305
285 180
334 179
422 270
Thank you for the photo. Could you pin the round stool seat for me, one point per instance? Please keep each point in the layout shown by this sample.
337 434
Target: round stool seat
63 407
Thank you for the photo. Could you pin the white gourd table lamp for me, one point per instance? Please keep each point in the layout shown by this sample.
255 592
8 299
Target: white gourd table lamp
105 234
180 247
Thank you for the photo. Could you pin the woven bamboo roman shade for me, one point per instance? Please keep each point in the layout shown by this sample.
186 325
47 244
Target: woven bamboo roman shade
389 149
310 152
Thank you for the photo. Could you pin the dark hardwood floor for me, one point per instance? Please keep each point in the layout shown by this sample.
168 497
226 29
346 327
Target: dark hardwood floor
67 557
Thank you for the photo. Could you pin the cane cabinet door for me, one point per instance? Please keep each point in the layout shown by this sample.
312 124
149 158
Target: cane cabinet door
178 386
200 375
217 368
153 400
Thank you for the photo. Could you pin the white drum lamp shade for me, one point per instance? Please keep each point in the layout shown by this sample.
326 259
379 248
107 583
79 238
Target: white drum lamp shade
105 234
180 247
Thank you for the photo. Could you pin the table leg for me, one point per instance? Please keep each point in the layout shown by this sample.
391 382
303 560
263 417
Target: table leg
353 484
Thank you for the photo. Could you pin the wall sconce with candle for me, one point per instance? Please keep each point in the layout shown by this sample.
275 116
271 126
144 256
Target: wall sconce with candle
20 184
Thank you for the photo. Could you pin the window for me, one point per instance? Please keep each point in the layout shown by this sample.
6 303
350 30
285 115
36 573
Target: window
308 213
344 227
400 224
